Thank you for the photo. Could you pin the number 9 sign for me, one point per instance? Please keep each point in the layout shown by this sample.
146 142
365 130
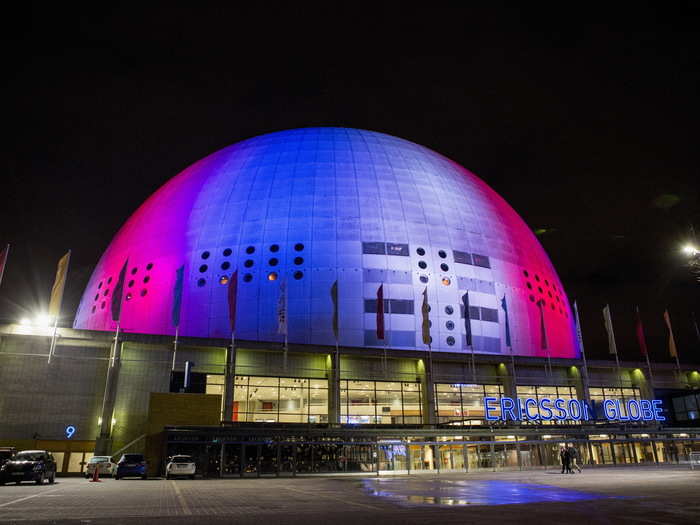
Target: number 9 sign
70 431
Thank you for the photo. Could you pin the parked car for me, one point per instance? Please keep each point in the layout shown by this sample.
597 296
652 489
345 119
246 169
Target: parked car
104 464
6 453
132 466
29 465
180 466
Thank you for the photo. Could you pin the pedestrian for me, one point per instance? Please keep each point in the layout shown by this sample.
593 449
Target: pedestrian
575 459
565 460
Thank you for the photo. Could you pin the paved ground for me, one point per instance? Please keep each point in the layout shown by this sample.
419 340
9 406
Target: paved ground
653 495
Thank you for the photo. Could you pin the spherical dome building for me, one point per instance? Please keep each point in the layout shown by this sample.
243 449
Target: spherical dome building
299 210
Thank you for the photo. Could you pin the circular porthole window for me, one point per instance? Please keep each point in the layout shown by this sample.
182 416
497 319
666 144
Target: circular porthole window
144 292
248 263
444 267
134 270
201 282
225 265
423 279
442 254
420 251
525 273
149 266
450 325
205 255
93 309
275 248
298 261
106 292
273 262
529 286
102 306
223 279
250 249
131 283
449 310
99 285
248 277
298 275
146 279
422 265
227 252
537 278
532 298
272 276
109 281
97 296
446 281
203 268
546 282
451 341
298 246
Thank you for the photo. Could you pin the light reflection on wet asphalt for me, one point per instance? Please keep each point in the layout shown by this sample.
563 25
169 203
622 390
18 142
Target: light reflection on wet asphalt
477 492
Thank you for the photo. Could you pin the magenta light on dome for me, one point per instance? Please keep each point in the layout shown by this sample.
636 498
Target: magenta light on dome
312 206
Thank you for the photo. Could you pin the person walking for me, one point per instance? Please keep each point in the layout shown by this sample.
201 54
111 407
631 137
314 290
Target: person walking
565 460
575 459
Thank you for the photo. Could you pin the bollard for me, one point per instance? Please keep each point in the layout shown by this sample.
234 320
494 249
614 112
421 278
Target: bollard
96 474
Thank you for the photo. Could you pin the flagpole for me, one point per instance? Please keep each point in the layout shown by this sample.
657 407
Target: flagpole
579 335
52 346
116 341
177 333
697 330
473 364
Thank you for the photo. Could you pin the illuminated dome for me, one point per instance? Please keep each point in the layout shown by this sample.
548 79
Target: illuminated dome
316 205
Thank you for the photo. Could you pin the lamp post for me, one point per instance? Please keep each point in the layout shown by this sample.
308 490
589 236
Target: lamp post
693 259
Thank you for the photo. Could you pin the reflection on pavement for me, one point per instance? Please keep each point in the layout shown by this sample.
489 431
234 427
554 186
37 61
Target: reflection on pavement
476 492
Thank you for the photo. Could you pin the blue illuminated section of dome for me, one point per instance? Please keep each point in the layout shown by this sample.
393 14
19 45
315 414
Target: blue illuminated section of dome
311 206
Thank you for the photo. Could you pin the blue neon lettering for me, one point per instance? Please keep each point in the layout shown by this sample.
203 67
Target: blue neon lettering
656 403
610 410
620 415
520 409
647 412
507 407
574 409
634 415
561 410
546 409
588 410
489 409
528 403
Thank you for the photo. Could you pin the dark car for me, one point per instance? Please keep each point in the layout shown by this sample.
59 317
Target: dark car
6 453
29 465
132 466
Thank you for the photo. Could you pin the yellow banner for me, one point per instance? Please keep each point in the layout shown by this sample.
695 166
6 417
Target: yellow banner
58 285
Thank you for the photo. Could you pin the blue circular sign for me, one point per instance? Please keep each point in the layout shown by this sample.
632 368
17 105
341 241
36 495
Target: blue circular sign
70 431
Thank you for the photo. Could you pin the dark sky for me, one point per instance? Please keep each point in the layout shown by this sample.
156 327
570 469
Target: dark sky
585 121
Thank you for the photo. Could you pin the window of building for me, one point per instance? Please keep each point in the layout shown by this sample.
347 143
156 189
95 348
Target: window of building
462 257
463 404
686 408
380 402
215 384
280 399
391 306
376 248
393 248
622 394
550 392
481 260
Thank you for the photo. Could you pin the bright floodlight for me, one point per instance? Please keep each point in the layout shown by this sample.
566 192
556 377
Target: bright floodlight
690 250
42 320
24 321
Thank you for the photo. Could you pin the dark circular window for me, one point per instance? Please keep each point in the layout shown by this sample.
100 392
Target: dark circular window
134 270
149 266
444 267
529 286
539 289
144 292
225 265
97 296
420 251
450 325
129 296
557 298
550 294
422 265
146 279
93 309
537 278
248 263
203 268
223 279
553 307
131 283
442 254
205 255
298 260
275 248
449 310
446 281
532 298
298 247
273 262
250 249
102 306
546 282
109 281
201 282
99 285
248 277
423 279
451 341
298 275
106 292
525 273
227 252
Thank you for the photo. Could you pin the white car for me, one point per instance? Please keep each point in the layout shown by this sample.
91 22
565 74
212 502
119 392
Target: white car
180 466
106 466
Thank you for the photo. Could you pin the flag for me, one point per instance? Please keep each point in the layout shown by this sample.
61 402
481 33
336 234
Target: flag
282 308
425 310
467 320
671 341
579 333
543 331
59 285
380 312
232 291
640 333
118 293
334 298
3 259
504 305
609 329
177 295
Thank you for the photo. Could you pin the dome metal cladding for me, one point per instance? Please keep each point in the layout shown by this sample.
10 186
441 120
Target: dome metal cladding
359 207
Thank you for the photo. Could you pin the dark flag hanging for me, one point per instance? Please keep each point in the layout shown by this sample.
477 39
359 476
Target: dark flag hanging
3 260
118 293
543 330
380 312
640 333
467 320
425 310
177 295
504 305
334 298
232 292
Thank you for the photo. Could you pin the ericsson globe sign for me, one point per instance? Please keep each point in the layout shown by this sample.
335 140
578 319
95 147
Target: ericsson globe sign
545 409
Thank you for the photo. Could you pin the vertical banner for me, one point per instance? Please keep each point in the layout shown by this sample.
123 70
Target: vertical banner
59 285
334 298
118 293
467 319
232 293
3 260
607 319
425 311
282 308
380 312
177 295
504 305
639 328
672 350
543 329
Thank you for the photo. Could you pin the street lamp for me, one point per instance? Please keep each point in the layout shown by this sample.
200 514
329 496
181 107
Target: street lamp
693 257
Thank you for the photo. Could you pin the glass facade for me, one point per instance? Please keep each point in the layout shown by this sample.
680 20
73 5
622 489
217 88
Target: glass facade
380 402
686 408
549 392
280 399
463 404
599 395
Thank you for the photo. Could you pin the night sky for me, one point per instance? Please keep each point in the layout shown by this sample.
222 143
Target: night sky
584 121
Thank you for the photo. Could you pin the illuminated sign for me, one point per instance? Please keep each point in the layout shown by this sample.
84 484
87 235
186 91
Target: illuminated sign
70 431
529 409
